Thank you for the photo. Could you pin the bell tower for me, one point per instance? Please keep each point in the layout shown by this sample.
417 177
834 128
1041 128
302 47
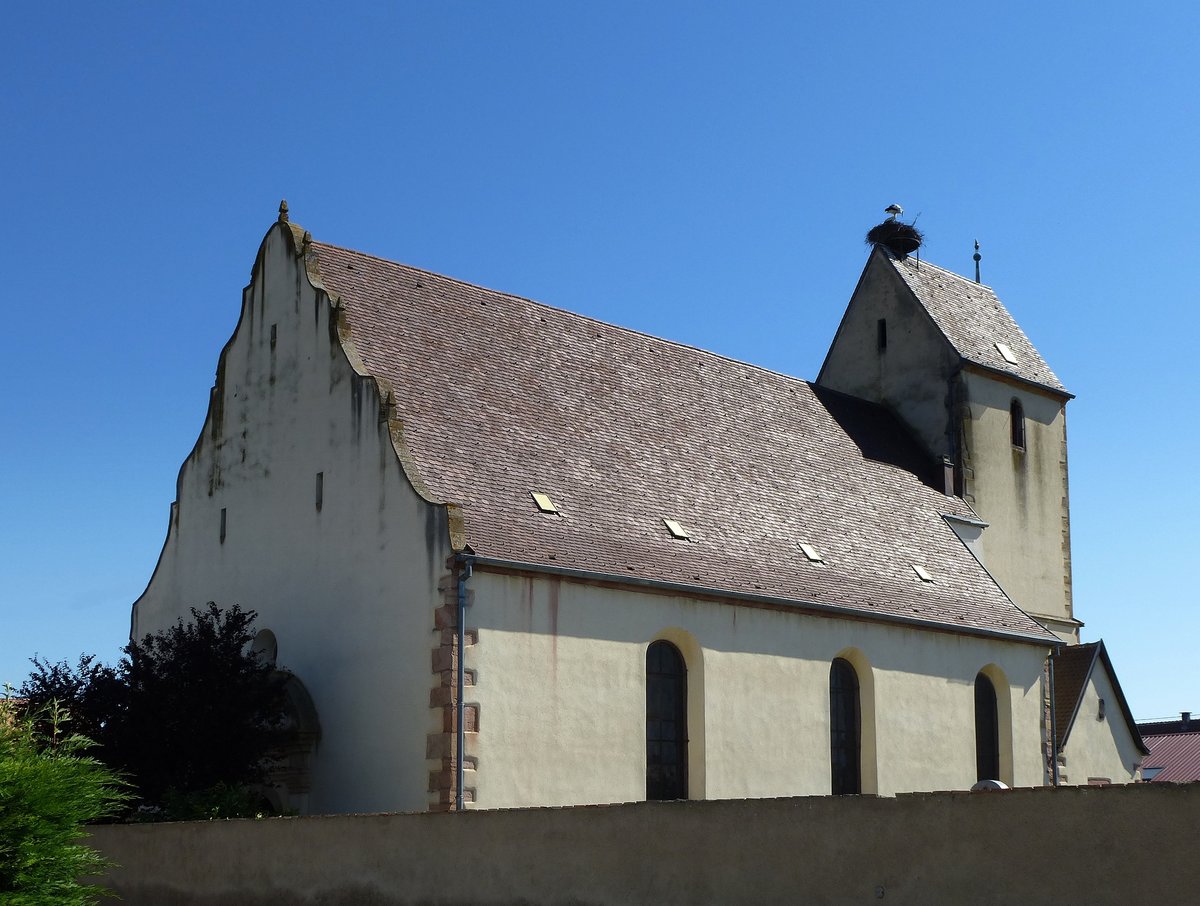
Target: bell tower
943 353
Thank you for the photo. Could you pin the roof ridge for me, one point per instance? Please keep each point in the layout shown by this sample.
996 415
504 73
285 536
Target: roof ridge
574 314
921 262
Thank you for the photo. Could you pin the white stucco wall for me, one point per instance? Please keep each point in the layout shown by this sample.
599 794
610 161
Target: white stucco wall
348 589
561 692
913 376
1099 750
1022 494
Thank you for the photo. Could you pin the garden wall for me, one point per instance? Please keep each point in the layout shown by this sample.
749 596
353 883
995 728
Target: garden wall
1119 844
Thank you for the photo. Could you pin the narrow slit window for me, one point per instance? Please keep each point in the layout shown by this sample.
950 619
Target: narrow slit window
222 525
881 334
1016 416
274 332
544 503
320 490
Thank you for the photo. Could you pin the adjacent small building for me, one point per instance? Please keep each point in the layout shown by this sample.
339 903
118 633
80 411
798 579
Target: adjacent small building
1174 750
1094 727
518 556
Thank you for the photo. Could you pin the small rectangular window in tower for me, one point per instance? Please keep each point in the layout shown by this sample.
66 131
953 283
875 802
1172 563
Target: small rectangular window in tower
881 334
1016 417
222 525
273 335
320 490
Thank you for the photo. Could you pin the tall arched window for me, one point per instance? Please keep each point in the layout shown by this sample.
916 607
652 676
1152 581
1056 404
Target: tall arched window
845 728
666 722
987 730
1016 416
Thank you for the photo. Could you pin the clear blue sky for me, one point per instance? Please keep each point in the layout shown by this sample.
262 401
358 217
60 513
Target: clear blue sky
704 174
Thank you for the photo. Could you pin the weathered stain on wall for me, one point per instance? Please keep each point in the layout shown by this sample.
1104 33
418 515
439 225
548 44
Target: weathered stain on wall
349 599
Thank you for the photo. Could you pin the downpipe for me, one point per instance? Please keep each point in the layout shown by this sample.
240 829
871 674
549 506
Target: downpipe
1053 721
465 569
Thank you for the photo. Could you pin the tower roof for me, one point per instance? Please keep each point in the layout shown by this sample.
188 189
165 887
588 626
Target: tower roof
975 322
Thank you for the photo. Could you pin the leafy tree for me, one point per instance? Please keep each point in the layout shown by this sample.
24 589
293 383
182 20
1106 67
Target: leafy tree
189 713
92 693
202 708
49 788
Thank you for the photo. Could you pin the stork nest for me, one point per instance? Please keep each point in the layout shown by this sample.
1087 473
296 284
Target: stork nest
902 239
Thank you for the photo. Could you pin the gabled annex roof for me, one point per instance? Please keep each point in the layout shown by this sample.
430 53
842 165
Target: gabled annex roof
501 398
1073 668
974 321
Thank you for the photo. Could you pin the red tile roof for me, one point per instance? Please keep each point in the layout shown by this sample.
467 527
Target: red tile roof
1177 754
501 396
974 320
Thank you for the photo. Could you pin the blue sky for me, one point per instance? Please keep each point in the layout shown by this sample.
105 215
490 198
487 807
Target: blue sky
701 172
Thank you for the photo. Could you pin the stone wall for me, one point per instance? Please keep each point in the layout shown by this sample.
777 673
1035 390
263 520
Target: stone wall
1096 845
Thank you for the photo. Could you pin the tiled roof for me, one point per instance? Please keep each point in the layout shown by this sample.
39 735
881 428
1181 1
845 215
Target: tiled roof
1185 724
500 397
974 320
1177 754
1073 666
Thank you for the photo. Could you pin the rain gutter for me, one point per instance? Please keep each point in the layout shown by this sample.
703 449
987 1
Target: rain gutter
681 588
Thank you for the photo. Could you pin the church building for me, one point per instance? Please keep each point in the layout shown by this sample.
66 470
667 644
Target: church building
514 556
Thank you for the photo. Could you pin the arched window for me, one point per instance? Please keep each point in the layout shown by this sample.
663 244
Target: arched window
666 722
987 730
1016 416
845 728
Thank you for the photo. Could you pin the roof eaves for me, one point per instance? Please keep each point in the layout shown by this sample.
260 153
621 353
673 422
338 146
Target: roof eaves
1116 684
992 370
852 613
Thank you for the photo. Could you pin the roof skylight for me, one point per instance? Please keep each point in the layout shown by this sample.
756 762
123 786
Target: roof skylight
1006 353
922 573
544 503
677 530
811 553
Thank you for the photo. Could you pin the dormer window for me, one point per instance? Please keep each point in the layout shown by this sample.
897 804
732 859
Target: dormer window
1016 416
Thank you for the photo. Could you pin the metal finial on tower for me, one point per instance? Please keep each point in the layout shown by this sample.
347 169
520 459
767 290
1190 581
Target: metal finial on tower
977 258
283 211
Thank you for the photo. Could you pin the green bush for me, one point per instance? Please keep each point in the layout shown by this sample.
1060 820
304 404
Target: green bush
49 789
190 715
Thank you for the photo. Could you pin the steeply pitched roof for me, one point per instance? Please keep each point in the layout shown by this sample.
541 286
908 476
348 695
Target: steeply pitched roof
974 320
1177 755
1073 666
501 397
